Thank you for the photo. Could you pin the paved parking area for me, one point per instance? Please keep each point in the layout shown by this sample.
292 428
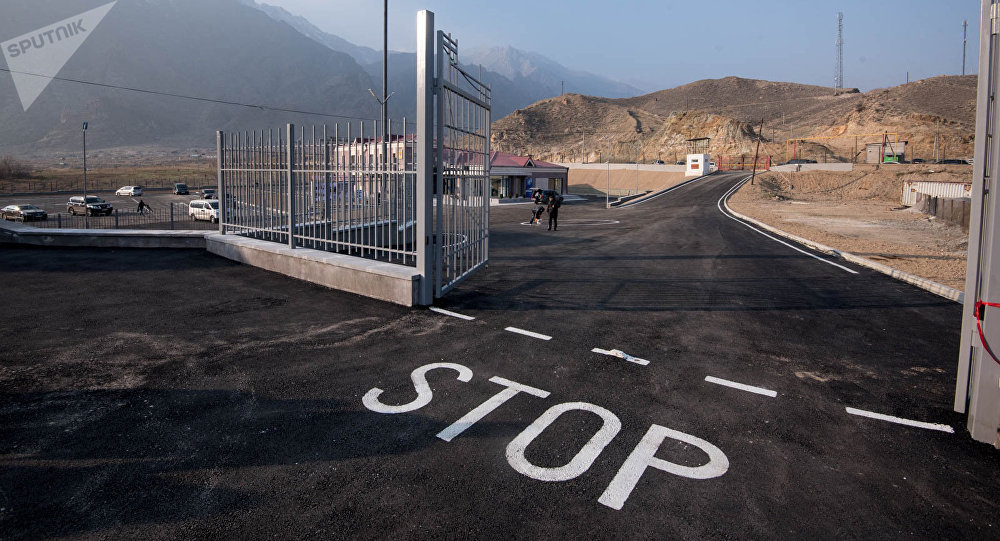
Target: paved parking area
673 374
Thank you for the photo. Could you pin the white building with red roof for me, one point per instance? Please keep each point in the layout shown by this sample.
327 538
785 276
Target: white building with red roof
518 176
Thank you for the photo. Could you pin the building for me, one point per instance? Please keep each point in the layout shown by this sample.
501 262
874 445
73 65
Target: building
887 152
518 176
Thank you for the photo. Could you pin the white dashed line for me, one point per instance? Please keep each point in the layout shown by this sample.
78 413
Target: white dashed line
528 333
901 421
742 387
452 314
621 355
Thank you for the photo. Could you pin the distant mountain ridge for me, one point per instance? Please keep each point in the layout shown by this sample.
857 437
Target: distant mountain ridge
523 67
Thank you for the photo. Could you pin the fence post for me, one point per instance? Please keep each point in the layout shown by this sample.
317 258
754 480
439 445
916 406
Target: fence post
220 189
116 218
172 215
58 221
291 185
425 154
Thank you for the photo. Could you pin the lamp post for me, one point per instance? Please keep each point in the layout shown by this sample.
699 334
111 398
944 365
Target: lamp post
86 211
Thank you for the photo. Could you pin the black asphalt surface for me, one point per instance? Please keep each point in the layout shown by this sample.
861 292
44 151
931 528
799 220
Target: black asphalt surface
173 394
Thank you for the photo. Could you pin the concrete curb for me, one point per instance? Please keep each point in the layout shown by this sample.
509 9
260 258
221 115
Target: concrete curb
942 290
16 233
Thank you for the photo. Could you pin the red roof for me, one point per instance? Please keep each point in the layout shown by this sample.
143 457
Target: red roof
503 159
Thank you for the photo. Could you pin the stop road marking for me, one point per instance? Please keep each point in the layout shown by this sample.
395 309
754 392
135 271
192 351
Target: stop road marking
623 483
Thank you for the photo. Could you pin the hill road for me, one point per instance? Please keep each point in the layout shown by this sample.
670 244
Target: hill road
662 370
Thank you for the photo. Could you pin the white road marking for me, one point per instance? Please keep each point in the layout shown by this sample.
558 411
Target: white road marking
450 313
528 333
901 421
723 201
621 355
742 387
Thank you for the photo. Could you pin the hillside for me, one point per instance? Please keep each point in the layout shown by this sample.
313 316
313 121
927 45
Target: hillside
228 51
729 111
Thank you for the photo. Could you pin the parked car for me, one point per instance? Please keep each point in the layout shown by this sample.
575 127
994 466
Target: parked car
208 193
680 162
129 190
181 189
799 161
658 162
23 213
204 209
543 197
94 206
917 160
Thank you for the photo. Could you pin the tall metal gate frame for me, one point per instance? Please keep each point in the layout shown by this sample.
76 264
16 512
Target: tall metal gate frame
453 163
416 200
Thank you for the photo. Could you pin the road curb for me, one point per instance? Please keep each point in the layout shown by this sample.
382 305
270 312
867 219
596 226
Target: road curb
942 290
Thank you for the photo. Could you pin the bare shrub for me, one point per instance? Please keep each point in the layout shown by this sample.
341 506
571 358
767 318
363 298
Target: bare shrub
11 169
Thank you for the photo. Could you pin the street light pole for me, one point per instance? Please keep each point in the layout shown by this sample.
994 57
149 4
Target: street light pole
86 211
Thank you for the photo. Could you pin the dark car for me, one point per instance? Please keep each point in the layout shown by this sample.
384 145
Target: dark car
94 206
543 197
208 193
181 189
23 213
799 161
658 162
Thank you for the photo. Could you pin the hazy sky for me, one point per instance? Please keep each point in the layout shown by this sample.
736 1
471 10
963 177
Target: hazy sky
657 44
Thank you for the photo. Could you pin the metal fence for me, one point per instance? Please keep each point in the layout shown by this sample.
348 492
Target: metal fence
339 190
172 216
372 190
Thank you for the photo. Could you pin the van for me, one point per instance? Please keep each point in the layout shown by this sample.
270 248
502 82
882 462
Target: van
203 209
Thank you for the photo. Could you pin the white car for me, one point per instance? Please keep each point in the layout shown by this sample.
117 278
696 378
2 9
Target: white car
129 190
204 209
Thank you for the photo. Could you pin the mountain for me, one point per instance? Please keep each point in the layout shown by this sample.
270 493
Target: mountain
527 68
729 111
221 49
363 55
518 78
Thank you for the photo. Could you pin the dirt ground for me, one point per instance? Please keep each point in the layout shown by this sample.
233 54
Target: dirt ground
860 212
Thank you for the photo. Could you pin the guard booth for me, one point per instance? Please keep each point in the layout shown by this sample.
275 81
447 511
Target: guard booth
698 165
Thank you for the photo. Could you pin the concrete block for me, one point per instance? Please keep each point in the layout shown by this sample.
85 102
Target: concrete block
384 281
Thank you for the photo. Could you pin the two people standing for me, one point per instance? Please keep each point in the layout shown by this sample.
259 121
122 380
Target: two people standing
552 202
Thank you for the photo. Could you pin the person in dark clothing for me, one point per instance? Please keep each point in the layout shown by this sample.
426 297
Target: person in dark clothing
554 214
536 215
142 205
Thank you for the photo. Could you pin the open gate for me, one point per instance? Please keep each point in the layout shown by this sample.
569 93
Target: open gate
453 163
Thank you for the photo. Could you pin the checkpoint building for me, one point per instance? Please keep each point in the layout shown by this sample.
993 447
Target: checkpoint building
517 176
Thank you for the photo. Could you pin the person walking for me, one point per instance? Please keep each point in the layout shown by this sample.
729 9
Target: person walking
554 213
141 205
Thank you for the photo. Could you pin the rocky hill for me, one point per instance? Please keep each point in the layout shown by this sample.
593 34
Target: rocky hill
729 111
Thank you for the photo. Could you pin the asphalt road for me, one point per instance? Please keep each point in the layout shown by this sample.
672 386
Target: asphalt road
169 394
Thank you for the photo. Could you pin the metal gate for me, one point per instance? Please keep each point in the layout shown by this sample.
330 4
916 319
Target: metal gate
370 191
454 158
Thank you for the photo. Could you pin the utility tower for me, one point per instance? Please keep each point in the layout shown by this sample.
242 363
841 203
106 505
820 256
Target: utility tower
965 41
838 73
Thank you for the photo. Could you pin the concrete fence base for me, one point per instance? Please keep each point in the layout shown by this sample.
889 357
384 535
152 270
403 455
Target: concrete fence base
384 281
